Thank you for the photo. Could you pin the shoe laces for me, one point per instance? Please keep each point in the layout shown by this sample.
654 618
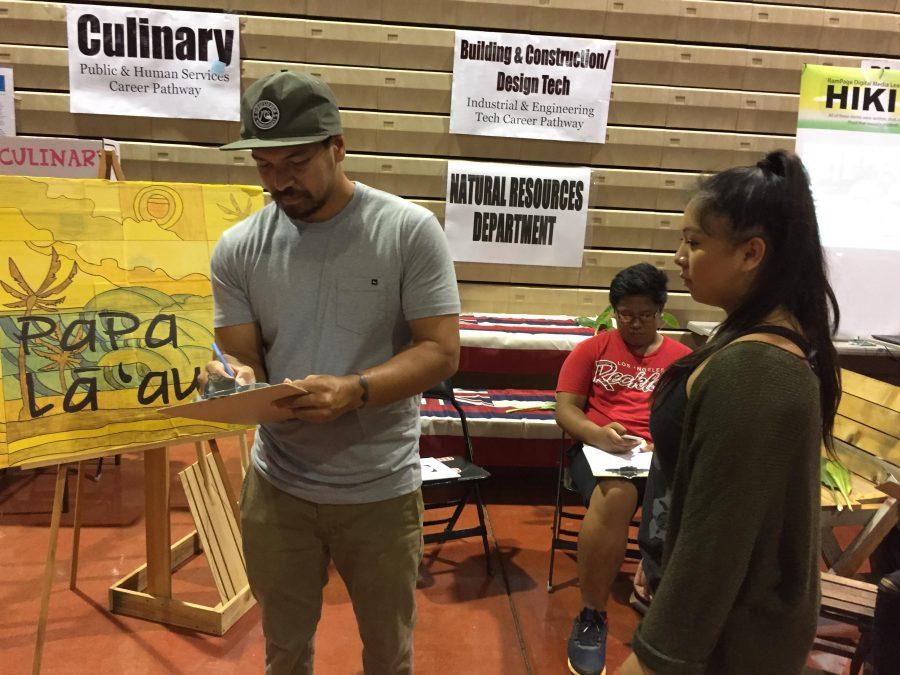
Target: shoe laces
590 623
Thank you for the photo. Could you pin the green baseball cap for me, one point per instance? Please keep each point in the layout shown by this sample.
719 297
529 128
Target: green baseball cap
287 108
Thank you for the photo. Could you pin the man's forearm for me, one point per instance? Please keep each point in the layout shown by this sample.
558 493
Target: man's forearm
410 372
242 343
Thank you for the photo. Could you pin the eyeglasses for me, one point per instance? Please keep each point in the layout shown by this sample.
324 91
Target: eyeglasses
643 317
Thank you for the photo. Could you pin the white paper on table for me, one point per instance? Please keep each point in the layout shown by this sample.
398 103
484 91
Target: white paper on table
603 463
434 469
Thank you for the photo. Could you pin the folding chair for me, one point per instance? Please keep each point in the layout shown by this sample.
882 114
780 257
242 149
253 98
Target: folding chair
470 476
565 539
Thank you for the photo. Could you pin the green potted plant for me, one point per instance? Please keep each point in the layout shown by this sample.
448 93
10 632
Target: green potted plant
606 321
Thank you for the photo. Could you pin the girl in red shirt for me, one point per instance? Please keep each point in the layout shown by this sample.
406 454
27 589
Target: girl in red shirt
603 392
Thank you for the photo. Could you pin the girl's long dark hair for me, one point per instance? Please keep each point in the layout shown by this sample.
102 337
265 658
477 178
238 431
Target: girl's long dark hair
772 200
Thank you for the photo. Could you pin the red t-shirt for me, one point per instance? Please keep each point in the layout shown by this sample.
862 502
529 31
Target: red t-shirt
617 382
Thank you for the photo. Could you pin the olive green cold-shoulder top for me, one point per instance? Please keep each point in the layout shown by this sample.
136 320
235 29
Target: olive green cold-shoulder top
740 585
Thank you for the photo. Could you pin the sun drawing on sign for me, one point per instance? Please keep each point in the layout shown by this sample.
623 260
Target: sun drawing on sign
159 203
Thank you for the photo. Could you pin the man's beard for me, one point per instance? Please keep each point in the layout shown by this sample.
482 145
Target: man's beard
303 204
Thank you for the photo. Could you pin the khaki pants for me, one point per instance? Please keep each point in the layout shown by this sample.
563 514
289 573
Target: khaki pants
376 548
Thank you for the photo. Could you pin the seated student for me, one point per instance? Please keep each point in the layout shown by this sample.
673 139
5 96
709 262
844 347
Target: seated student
603 392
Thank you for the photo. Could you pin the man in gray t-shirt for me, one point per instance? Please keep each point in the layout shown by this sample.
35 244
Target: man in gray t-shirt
350 293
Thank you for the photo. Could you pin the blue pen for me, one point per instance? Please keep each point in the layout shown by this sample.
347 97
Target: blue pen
221 357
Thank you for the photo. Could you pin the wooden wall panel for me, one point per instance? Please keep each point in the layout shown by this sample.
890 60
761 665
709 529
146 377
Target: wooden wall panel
414 177
513 299
699 85
865 5
597 270
702 21
358 88
504 13
865 33
32 23
408 134
402 47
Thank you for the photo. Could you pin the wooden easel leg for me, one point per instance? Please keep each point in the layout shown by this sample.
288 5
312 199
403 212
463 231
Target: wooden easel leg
226 483
201 461
47 583
156 496
245 453
76 528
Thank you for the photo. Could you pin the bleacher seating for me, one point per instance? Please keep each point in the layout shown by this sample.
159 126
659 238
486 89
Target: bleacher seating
699 85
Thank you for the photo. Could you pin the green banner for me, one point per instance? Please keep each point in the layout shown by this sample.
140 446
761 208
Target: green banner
849 99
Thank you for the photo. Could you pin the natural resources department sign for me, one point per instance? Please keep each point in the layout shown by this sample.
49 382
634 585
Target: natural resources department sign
516 214
153 63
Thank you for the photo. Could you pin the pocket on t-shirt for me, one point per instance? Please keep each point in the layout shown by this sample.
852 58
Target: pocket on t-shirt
360 303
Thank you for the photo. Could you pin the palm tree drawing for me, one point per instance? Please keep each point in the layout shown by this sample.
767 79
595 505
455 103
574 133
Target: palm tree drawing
35 300
61 359
236 212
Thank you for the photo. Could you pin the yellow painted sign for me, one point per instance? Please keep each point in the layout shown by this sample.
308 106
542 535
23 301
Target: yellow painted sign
105 311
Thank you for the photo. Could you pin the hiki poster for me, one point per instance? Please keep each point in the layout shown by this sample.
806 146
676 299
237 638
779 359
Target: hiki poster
848 136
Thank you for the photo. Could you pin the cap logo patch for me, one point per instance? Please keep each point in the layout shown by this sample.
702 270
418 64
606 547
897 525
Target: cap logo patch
265 115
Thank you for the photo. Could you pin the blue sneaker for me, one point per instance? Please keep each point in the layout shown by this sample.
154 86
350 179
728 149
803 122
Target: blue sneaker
587 645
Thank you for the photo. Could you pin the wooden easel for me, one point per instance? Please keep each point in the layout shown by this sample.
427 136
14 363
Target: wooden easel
147 592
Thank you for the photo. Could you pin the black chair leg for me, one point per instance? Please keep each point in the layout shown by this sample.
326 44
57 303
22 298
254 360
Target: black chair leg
556 519
479 505
96 476
457 512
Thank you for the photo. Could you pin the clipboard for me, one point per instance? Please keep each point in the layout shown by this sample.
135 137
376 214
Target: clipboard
250 407
635 464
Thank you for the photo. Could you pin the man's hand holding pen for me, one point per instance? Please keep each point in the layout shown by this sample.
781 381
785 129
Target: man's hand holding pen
224 367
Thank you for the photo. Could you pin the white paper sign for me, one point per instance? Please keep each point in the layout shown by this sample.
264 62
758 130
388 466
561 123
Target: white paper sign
153 63
531 86
7 103
56 157
516 214
848 136
881 64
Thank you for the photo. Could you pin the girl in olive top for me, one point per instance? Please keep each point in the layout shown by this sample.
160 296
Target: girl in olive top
738 426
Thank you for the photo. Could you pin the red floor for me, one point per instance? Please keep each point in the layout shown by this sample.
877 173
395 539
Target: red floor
468 622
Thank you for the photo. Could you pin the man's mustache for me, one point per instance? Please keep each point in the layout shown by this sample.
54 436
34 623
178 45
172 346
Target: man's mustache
289 192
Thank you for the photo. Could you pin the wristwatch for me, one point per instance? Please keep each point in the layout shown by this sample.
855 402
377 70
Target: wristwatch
364 383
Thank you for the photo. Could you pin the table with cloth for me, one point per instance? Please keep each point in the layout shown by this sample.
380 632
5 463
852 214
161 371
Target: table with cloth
517 343
502 433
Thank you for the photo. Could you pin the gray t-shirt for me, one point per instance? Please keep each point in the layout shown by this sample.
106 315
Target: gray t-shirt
333 298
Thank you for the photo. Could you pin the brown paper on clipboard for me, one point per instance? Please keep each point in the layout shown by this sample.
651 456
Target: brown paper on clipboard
246 407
